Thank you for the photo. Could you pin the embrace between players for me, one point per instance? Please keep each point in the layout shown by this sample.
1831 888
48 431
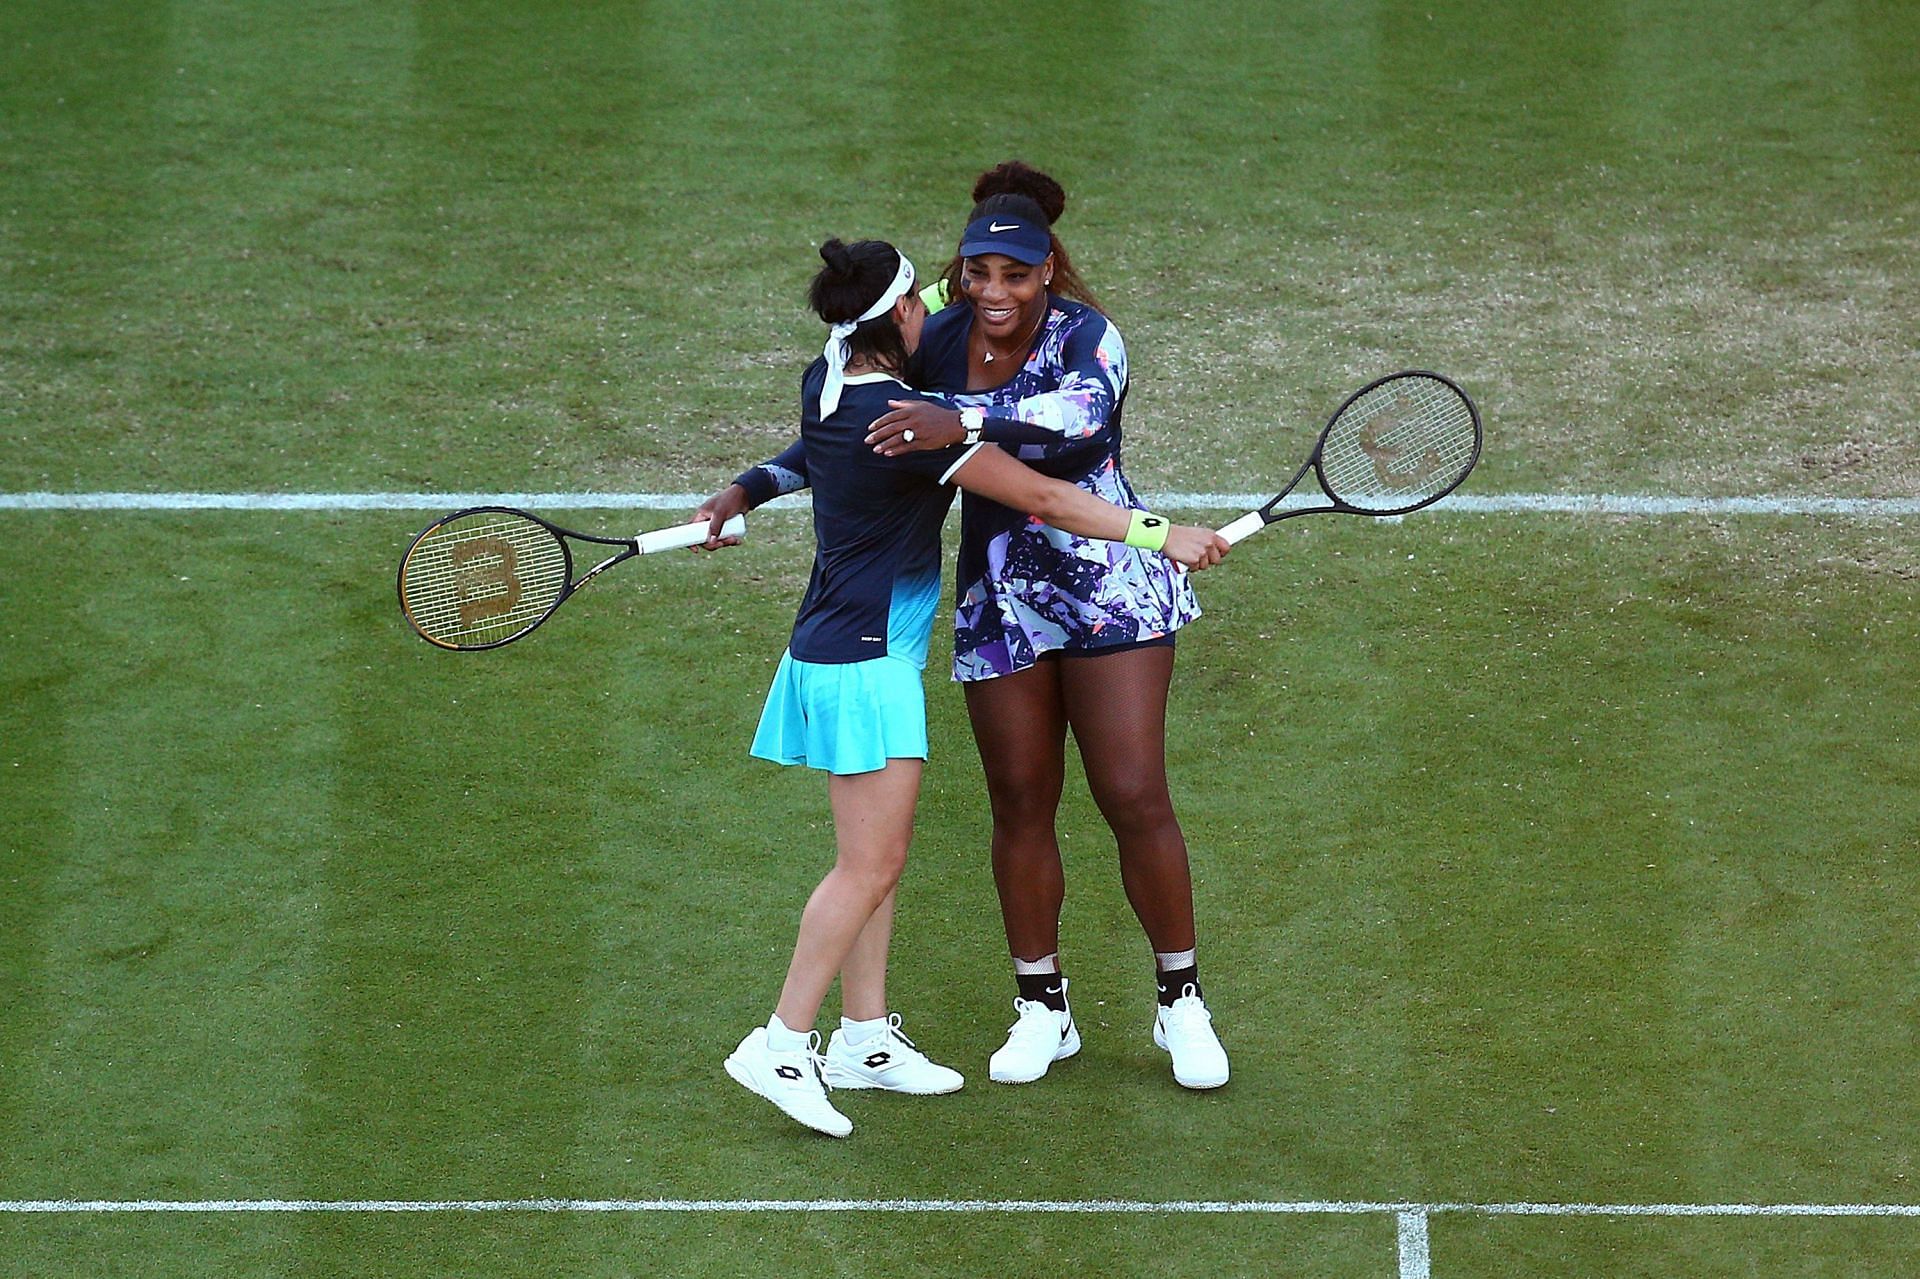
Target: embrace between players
1068 597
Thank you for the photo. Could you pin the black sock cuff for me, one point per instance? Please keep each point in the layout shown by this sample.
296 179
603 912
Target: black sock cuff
1043 988
1174 983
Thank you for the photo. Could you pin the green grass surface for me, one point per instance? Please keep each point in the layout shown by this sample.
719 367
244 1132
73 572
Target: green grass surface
509 246
1538 858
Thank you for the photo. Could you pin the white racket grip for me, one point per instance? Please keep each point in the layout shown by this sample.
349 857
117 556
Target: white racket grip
684 535
1248 524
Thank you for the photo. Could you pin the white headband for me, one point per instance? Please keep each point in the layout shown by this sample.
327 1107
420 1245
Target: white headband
838 352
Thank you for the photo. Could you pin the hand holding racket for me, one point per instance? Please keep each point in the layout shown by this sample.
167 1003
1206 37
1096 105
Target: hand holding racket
722 514
488 575
1397 444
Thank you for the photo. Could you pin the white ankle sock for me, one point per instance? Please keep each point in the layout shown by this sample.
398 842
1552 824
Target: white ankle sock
859 1032
783 1040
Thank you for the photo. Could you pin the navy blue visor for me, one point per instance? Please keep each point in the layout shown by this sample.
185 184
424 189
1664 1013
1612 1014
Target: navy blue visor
1018 238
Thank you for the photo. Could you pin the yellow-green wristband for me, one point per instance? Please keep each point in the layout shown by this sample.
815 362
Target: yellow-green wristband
1147 531
935 294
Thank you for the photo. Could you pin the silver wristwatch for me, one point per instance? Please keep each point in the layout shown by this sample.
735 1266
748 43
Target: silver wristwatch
973 422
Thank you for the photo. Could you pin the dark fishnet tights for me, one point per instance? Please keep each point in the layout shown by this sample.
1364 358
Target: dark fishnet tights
1116 706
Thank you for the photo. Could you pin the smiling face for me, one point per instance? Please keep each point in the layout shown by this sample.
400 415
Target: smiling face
1008 296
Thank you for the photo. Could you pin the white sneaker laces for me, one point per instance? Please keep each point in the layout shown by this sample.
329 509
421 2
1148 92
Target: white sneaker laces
893 1028
1188 1010
817 1060
1032 1023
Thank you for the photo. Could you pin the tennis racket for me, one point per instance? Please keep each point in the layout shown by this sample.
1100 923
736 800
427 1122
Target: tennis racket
488 575
1399 443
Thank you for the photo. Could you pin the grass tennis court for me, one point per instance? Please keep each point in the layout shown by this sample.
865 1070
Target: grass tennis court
1541 859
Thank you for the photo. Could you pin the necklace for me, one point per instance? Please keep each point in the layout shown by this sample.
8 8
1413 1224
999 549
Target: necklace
987 357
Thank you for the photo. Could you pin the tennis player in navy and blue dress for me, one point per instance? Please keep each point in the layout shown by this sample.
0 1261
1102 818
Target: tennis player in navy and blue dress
847 698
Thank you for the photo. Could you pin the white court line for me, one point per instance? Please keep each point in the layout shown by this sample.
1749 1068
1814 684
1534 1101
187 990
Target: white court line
1463 503
1681 1210
1416 1259
1413 1249
928 1206
1403 1211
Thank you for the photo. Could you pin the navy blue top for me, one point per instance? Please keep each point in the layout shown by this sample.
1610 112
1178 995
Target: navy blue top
876 522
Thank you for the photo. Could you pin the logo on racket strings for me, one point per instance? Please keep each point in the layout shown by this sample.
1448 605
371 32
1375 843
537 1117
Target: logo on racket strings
1384 456
487 585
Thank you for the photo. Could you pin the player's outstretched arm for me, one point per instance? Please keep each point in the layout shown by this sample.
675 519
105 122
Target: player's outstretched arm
992 474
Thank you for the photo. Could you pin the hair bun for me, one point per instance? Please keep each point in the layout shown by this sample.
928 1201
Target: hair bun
1015 177
838 259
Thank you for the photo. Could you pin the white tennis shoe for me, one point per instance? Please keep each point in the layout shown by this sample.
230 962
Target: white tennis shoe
790 1080
1185 1032
888 1061
1039 1038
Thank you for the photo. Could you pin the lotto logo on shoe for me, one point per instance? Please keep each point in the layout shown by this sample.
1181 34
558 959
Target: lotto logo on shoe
787 1072
889 1062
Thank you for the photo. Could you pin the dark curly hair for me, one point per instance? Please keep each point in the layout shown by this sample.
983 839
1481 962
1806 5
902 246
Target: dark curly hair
854 277
1017 189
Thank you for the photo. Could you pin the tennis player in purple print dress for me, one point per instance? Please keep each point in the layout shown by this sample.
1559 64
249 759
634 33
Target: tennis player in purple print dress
1051 631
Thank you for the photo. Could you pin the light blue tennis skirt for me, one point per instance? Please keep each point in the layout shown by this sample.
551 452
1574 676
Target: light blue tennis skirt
843 717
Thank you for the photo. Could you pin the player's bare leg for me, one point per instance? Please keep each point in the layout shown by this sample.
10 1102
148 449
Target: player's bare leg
873 824
1019 725
1020 728
1117 705
872 827
863 978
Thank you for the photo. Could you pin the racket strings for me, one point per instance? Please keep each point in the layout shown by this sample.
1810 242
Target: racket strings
482 578
1401 444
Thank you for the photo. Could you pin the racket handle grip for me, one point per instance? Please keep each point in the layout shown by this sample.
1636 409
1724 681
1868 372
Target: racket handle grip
1244 527
684 535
